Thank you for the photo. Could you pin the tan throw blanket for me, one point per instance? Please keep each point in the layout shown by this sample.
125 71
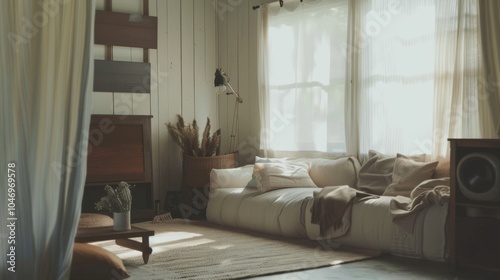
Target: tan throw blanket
404 210
331 203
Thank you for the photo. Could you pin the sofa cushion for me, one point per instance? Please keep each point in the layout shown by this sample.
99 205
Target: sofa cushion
325 172
332 172
238 177
443 168
407 175
376 174
93 262
270 176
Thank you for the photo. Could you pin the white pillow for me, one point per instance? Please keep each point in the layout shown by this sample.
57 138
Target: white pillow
237 177
271 176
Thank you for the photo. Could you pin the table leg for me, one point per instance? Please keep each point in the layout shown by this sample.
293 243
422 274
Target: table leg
134 245
146 253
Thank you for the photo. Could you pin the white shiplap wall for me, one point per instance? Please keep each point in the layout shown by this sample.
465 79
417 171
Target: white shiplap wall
194 38
237 54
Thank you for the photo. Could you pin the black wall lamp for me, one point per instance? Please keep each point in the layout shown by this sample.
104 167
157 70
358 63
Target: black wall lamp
221 83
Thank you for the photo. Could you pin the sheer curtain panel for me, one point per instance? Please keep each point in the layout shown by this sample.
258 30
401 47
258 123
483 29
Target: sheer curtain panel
490 38
303 82
46 81
464 91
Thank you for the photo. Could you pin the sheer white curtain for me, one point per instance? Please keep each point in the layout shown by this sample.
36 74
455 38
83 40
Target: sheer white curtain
394 74
490 39
46 81
466 93
415 77
303 77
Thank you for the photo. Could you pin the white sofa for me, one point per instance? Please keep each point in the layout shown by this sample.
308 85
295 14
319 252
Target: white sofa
236 201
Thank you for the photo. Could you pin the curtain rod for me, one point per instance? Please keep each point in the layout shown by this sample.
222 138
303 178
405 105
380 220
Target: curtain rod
281 4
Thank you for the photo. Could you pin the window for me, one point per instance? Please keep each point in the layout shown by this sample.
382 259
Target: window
394 76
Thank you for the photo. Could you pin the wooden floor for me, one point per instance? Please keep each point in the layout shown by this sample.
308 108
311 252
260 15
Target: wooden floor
384 268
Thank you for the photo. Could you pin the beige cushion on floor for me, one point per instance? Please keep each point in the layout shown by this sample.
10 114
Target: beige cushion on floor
96 263
89 220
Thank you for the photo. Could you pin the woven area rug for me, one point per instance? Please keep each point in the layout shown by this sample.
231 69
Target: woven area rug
184 249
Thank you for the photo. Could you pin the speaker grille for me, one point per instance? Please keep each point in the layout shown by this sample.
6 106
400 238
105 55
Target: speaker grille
478 176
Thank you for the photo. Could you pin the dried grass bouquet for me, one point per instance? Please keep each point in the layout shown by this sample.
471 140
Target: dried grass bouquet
117 200
188 139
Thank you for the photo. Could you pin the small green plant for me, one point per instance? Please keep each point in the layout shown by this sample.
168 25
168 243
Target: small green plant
187 137
118 199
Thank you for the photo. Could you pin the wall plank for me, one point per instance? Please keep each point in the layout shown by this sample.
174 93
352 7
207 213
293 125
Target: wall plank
173 90
127 6
99 52
122 53
251 146
156 125
122 103
162 106
222 55
201 100
187 60
102 103
141 104
243 73
210 55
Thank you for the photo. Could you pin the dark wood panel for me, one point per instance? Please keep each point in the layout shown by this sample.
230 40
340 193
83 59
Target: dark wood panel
119 149
120 156
122 76
128 30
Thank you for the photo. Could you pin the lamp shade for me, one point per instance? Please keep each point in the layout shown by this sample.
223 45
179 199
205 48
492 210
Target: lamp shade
219 80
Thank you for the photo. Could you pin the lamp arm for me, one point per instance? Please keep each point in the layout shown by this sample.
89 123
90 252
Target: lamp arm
238 98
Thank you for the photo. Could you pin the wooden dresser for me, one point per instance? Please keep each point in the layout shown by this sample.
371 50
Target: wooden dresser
120 150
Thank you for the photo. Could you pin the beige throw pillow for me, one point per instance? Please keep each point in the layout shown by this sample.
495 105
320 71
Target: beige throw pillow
443 168
332 172
271 176
376 174
237 177
407 175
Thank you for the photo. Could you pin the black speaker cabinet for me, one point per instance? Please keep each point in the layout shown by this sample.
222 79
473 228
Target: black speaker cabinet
474 233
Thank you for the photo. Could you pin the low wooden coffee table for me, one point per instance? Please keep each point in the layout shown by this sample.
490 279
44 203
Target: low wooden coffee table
85 235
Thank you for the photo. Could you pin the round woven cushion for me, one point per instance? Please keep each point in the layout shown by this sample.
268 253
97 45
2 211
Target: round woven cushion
89 220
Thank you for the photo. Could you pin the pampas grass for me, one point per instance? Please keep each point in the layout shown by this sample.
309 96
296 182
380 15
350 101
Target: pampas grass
187 137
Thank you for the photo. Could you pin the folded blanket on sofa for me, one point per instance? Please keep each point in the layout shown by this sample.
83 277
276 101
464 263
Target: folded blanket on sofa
404 210
331 204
